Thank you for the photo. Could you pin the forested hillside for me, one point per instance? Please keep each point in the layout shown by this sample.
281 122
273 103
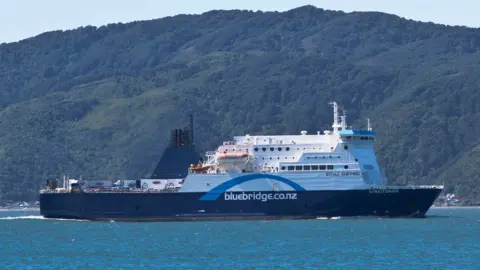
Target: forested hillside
98 102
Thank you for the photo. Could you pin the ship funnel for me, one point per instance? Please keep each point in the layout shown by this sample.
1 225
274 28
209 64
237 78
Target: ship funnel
179 154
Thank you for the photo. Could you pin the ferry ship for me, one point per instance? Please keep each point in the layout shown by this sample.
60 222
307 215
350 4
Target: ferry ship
328 174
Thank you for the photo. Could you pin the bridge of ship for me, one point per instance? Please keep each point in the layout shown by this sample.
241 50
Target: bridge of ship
357 135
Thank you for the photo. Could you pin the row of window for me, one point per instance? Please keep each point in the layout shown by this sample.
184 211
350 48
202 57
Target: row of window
362 138
310 167
322 157
272 149
256 149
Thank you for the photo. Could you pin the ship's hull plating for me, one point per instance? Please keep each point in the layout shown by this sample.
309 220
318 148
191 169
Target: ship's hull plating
237 205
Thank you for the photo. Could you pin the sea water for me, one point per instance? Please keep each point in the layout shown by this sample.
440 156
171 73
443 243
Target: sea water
449 238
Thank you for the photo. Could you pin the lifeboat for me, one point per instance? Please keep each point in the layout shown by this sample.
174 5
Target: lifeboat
199 168
232 157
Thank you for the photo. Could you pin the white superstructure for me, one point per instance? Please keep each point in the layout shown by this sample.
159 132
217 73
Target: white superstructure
341 158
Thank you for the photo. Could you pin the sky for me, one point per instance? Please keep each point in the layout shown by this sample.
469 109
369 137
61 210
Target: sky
21 19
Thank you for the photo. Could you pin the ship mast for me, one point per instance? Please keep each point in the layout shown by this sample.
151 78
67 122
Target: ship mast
336 125
344 120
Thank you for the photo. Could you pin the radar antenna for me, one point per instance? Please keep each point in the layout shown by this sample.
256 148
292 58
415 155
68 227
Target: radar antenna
369 127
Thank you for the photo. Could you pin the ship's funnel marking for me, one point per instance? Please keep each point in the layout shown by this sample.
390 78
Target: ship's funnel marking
215 192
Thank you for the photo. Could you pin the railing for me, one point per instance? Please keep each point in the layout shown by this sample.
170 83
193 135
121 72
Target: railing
109 190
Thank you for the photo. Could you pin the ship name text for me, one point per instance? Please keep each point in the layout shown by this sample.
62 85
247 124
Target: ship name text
383 190
343 174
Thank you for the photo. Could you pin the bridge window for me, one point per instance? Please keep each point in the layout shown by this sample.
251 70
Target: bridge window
323 167
298 168
306 168
329 167
314 167
291 168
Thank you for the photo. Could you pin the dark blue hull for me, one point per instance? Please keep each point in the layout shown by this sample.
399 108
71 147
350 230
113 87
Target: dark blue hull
189 206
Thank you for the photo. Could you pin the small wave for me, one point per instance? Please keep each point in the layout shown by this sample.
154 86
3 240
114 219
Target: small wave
38 218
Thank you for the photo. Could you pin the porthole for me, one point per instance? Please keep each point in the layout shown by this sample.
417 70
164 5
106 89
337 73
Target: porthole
256 149
264 149
345 147
283 168
279 149
288 148
356 160
346 167
271 148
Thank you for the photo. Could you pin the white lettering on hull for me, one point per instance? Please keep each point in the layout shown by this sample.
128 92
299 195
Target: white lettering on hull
258 196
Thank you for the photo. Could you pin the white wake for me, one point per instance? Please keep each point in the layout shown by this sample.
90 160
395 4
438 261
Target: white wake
38 218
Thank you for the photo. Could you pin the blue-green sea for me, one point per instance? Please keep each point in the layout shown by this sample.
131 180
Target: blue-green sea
449 238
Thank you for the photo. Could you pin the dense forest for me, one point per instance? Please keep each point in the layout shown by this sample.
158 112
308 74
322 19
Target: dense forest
98 102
